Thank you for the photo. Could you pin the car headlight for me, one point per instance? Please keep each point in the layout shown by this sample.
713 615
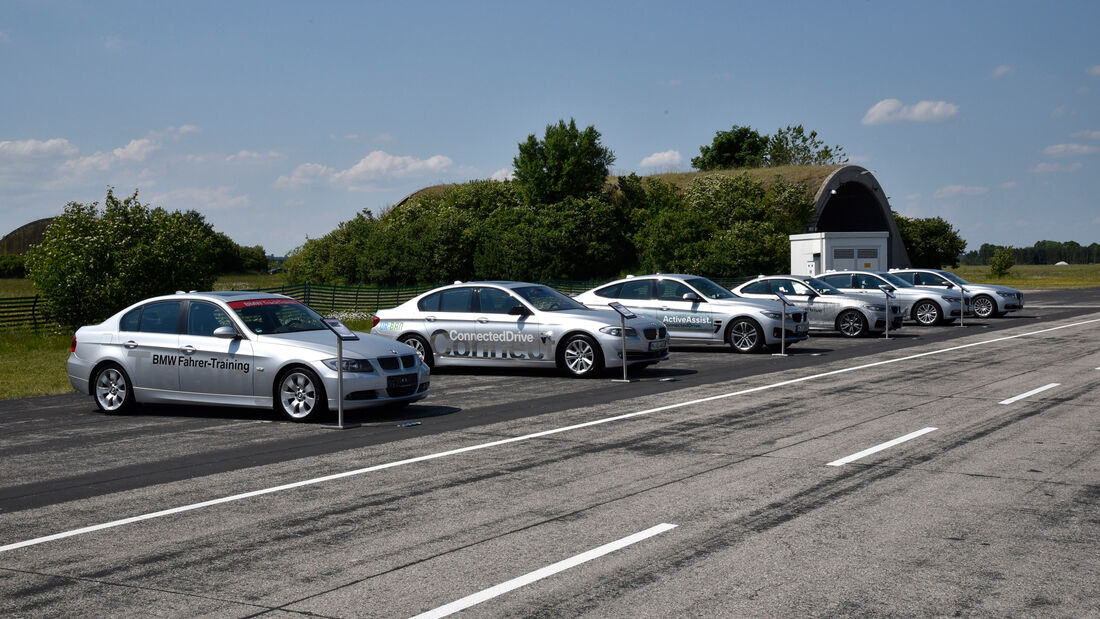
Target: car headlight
350 365
618 331
1007 295
772 315
876 308
952 299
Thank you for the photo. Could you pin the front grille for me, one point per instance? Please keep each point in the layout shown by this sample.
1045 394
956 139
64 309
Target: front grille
408 361
398 392
362 395
388 363
644 356
797 317
650 332
662 333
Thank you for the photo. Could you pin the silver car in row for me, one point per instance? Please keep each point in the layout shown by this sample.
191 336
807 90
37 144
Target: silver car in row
699 311
826 307
927 306
238 349
517 323
986 300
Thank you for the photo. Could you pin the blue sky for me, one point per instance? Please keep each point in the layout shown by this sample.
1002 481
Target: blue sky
279 120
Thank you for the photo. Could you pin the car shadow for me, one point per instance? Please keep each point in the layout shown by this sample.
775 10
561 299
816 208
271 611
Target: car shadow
383 414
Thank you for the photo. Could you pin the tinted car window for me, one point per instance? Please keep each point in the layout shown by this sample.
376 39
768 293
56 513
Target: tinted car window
495 301
277 315
761 287
130 321
159 317
456 300
930 279
638 289
907 277
204 318
710 289
866 282
429 303
671 290
610 292
840 281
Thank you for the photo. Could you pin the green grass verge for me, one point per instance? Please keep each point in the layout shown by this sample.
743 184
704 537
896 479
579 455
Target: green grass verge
33 364
1036 276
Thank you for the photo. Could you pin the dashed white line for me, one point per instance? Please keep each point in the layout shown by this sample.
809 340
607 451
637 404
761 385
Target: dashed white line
526 437
878 448
1029 393
539 574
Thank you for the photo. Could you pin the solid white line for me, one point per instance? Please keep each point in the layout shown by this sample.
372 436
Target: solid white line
539 574
1029 393
878 448
526 437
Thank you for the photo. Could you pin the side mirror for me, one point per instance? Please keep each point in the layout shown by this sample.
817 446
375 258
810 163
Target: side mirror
519 310
226 333
691 296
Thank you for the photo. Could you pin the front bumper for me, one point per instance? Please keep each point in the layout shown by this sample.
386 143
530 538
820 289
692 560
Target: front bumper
378 388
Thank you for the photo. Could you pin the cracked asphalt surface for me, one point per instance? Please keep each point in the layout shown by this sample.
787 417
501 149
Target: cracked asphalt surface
993 513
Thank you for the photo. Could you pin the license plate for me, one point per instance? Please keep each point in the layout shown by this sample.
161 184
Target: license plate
404 380
658 345
801 328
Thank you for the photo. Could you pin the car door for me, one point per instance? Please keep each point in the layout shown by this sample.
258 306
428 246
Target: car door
213 365
453 326
152 349
820 309
503 334
690 318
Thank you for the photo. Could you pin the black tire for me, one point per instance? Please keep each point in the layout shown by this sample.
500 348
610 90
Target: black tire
299 395
111 389
983 306
851 323
421 346
580 356
927 313
744 335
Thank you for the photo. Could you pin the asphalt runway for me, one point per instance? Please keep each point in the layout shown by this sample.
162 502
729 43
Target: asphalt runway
948 470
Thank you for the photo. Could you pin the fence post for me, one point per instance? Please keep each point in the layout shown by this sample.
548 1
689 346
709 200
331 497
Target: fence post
34 314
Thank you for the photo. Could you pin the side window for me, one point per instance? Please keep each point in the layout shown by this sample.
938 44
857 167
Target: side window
130 321
840 281
671 290
636 289
204 318
909 277
757 288
610 292
495 301
159 317
866 282
789 286
456 300
429 303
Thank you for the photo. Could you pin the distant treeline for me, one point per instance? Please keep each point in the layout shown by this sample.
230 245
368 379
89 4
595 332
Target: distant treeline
1043 252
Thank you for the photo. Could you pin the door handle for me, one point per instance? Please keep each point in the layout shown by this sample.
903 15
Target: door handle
430 318
188 350
130 344
483 320
664 308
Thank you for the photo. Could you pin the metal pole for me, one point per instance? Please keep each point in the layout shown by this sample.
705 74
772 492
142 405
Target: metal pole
340 381
887 295
622 332
962 306
783 330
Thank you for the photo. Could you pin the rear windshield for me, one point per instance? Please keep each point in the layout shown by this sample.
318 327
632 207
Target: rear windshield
270 316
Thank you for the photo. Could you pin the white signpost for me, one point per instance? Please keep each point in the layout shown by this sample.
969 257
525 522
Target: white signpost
343 334
784 301
624 314
888 290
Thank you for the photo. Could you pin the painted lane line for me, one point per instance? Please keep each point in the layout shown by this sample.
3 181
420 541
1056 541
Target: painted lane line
549 570
1029 393
878 448
516 439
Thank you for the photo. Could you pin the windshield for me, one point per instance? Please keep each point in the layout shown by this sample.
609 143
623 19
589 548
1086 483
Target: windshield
895 280
270 316
710 289
820 286
547 299
954 278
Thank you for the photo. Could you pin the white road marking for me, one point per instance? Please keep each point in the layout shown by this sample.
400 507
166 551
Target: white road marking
1029 393
539 574
516 439
878 448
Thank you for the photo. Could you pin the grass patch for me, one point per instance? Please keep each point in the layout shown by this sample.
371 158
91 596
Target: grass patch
1036 276
33 364
15 287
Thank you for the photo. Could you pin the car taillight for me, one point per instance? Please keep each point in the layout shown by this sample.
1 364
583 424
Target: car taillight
374 322
72 347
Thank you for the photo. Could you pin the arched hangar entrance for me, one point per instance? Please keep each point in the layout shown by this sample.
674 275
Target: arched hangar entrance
851 214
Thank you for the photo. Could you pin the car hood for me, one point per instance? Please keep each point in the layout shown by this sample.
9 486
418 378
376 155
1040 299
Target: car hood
972 288
603 317
324 342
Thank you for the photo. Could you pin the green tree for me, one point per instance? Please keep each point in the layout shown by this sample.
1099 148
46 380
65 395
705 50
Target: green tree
1001 262
793 147
740 147
565 163
931 242
92 264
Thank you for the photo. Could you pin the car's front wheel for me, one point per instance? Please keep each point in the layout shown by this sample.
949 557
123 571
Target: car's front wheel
111 388
851 323
983 306
299 395
927 313
421 346
581 357
745 335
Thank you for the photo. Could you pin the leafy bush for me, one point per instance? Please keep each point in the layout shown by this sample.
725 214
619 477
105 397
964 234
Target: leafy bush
12 266
1001 262
92 264
566 163
931 242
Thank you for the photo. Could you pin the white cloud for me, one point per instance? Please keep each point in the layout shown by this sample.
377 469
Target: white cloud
112 42
1070 150
1093 70
201 199
668 158
1050 168
134 152
1008 185
254 157
55 147
892 110
4 38
1087 134
1002 70
952 191
503 174
1060 111
305 174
